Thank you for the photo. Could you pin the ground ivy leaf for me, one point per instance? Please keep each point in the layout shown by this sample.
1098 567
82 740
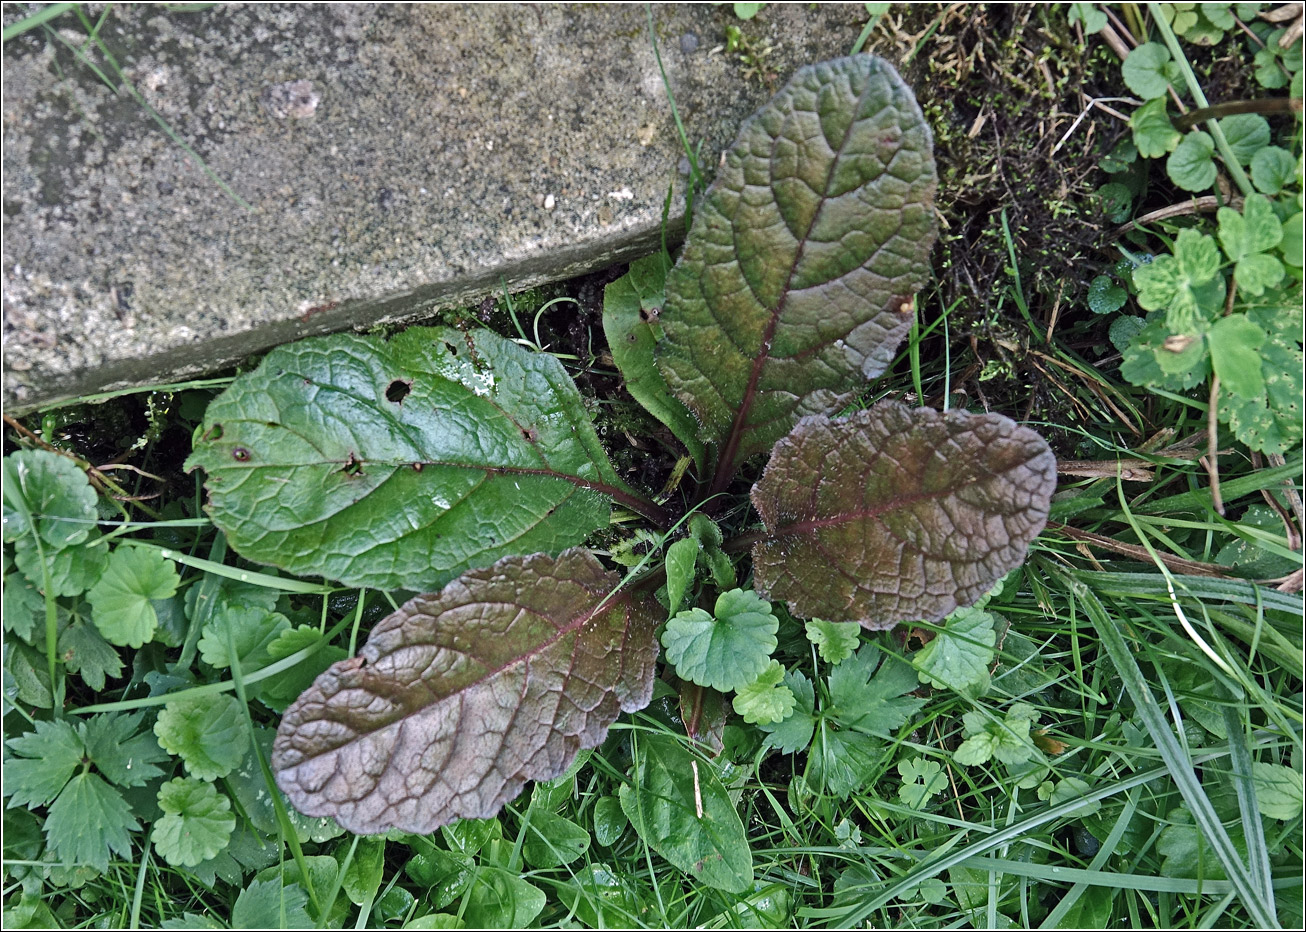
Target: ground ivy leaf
1105 296
196 825
1235 355
631 306
47 758
682 558
285 688
252 630
678 806
89 820
1247 134
795 284
1148 70
868 701
765 701
960 654
209 733
461 697
123 754
120 601
725 652
1273 169
1279 791
1154 134
266 904
894 514
835 640
85 652
1190 165
402 461
46 494
794 733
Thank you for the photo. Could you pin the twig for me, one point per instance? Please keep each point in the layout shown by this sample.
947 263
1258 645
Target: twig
1212 458
1178 564
1231 107
1196 206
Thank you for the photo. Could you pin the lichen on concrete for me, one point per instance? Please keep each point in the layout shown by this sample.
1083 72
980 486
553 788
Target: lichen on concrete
392 159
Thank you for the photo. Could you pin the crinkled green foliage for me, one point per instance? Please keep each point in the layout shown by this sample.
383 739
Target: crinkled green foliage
835 640
402 462
728 649
209 733
251 631
120 601
1006 739
1186 284
958 657
765 700
197 822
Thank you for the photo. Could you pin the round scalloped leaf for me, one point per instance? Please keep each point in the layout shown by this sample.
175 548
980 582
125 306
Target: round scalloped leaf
120 601
796 280
209 733
459 698
196 825
402 462
726 652
896 514
59 501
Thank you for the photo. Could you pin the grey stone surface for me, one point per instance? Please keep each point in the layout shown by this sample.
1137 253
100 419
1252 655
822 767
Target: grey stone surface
393 159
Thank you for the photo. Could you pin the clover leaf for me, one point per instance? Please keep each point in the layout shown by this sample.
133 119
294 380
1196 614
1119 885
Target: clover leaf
922 780
120 601
1246 238
765 700
725 652
197 822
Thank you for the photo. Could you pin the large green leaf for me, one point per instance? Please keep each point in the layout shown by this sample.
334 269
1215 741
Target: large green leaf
631 307
896 514
796 281
403 462
459 698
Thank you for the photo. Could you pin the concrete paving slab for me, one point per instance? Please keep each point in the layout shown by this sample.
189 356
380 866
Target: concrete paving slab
391 160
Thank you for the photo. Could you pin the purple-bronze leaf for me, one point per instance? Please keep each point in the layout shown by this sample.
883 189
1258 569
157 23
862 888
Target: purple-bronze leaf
460 697
796 282
897 514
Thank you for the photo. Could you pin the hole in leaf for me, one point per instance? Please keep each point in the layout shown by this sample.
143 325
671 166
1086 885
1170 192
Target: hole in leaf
648 315
631 338
353 466
240 455
453 350
530 434
214 432
398 390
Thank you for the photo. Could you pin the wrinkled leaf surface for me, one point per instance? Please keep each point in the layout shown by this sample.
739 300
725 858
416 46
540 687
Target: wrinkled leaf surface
461 697
795 284
896 514
402 463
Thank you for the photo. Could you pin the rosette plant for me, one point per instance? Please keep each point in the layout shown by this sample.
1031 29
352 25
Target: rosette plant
463 464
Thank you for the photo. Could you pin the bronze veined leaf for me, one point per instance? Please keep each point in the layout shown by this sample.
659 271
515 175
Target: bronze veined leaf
895 514
460 697
796 282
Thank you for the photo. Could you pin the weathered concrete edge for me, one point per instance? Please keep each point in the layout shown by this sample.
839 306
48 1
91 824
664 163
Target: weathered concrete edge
403 308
